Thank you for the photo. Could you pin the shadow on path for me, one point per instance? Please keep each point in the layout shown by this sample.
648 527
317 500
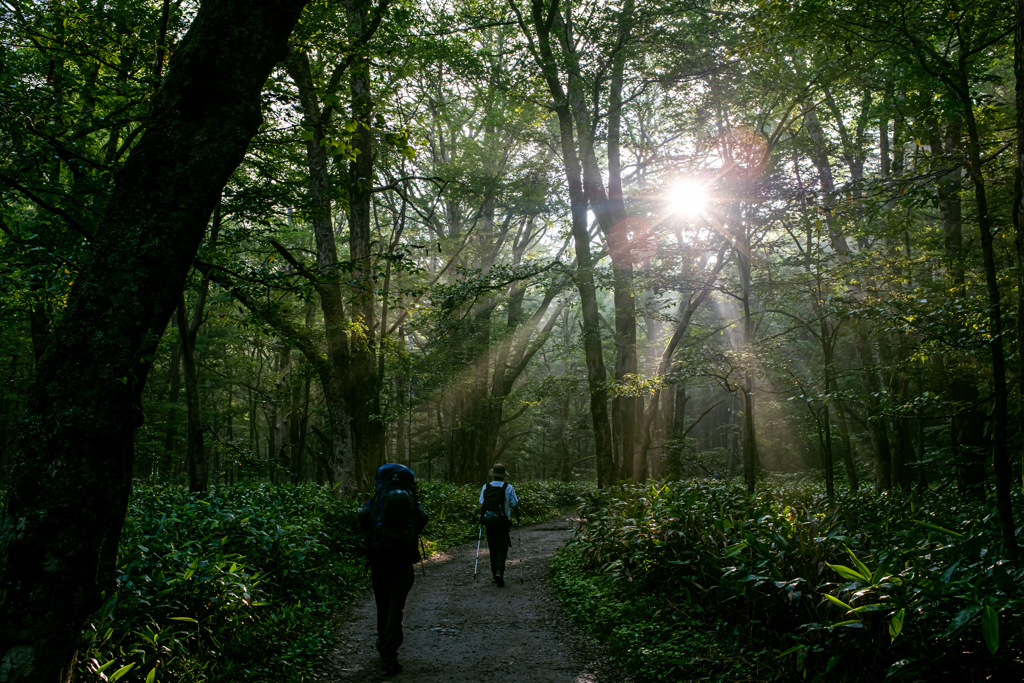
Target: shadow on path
458 629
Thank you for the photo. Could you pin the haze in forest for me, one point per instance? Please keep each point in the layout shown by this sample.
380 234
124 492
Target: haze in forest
604 243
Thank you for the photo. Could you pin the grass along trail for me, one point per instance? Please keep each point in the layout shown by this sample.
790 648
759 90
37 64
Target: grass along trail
458 629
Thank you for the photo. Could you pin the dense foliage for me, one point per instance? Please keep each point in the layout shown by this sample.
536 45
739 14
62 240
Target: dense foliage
242 583
698 580
594 240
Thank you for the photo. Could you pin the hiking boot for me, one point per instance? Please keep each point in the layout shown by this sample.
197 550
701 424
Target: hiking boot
500 580
390 666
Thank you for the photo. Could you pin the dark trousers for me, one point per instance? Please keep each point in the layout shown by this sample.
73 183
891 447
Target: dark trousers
498 542
391 585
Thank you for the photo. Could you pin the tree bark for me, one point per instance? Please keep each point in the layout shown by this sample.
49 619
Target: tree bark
543 19
609 209
870 383
956 76
69 496
1018 197
363 389
196 463
334 369
647 418
195 453
967 425
1000 408
167 458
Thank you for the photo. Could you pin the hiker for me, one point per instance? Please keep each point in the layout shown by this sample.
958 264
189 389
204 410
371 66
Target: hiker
497 501
392 521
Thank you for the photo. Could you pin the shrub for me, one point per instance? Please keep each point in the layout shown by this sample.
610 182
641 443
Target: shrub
238 584
242 583
865 586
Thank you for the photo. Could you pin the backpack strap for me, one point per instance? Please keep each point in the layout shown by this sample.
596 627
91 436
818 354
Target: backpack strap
504 497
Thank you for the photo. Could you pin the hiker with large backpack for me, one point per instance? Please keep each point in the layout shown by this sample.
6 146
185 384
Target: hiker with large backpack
392 521
497 502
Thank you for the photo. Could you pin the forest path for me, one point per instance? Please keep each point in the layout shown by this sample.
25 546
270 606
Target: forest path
458 629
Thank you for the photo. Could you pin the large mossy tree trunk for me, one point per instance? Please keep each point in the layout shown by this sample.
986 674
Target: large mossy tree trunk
72 480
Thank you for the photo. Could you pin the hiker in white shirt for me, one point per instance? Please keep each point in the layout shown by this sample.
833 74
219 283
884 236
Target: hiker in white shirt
497 503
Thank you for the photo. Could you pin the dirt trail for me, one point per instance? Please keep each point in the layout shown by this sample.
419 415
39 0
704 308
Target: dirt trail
458 629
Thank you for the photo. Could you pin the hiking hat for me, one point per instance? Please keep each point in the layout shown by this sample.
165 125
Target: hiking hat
498 471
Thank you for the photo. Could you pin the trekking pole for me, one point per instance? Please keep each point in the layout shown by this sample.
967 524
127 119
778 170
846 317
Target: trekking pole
423 558
477 563
519 532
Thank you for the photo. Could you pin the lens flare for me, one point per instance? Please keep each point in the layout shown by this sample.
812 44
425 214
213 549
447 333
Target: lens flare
688 197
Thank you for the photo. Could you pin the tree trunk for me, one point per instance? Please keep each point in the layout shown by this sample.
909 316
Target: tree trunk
647 417
967 424
1018 197
610 212
167 458
363 390
195 453
627 411
334 370
596 374
188 331
39 321
68 512
1000 408
870 384
844 435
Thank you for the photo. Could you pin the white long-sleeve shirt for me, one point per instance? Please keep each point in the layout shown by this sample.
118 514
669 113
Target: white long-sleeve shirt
510 496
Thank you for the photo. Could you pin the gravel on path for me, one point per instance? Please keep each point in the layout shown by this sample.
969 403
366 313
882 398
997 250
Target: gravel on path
461 629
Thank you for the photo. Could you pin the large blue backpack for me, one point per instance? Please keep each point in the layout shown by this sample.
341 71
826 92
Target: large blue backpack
394 515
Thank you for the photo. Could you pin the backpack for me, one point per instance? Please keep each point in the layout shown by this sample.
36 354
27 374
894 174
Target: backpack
393 515
494 504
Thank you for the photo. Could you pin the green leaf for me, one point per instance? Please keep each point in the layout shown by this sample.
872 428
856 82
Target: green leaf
896 624
151 676
120 672
836 601
105 666
848 573
861 567
873 607
936 527
732 550
791 650
962 618
191 569
184 619
990 628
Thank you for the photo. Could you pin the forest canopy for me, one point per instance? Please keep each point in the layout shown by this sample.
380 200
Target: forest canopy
610 242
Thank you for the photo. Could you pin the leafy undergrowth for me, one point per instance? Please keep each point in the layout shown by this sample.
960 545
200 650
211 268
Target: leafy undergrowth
243 583
698 581
454 508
